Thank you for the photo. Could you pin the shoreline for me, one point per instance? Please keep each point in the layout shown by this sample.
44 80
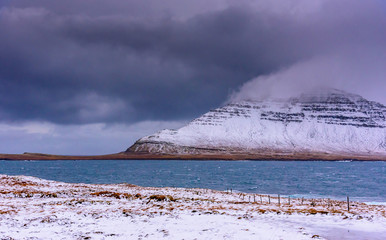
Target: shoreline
35 207
198 157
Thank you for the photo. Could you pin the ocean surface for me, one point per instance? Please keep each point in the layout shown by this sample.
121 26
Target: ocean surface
361 181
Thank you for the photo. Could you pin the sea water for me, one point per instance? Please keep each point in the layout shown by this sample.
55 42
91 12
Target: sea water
361 181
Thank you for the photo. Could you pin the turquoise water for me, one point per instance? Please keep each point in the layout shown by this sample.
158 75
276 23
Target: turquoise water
362 181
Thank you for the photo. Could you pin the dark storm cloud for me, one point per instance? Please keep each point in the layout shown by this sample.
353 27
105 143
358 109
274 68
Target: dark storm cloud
89 61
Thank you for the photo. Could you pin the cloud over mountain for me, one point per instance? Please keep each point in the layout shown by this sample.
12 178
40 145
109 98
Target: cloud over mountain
119 61
157 61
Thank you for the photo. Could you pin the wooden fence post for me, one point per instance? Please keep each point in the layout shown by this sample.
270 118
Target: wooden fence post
348 204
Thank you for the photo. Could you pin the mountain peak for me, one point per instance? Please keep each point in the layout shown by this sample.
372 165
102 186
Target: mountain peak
330 95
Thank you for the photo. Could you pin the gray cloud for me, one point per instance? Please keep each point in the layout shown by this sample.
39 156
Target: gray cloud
128 61
97 138
363 75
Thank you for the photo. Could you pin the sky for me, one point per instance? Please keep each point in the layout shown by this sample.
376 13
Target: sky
93 76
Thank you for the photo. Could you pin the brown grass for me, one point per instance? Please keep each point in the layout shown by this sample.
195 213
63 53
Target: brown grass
113 195
7 212
161 198
29 194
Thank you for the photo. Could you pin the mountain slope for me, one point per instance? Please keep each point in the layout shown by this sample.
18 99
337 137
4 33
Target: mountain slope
329 122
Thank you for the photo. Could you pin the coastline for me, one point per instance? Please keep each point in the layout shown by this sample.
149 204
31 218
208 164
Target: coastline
35 207
221 157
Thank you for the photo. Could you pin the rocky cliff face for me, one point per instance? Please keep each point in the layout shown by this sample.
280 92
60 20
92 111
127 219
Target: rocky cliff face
328 121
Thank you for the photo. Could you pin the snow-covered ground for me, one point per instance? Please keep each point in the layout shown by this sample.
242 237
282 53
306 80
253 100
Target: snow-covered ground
32 208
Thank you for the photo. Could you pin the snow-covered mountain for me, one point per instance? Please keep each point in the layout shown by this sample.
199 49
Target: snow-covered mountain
326 121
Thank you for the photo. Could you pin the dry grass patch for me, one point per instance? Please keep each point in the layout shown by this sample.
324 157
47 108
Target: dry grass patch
29 194
162 198
7 212
113 195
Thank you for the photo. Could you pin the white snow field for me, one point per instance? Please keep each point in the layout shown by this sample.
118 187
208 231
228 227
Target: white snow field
32 208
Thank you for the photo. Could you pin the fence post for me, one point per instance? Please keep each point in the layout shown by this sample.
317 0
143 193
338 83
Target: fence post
278 196
348 204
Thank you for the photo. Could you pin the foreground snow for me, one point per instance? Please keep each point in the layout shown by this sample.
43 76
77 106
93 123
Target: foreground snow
32 208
